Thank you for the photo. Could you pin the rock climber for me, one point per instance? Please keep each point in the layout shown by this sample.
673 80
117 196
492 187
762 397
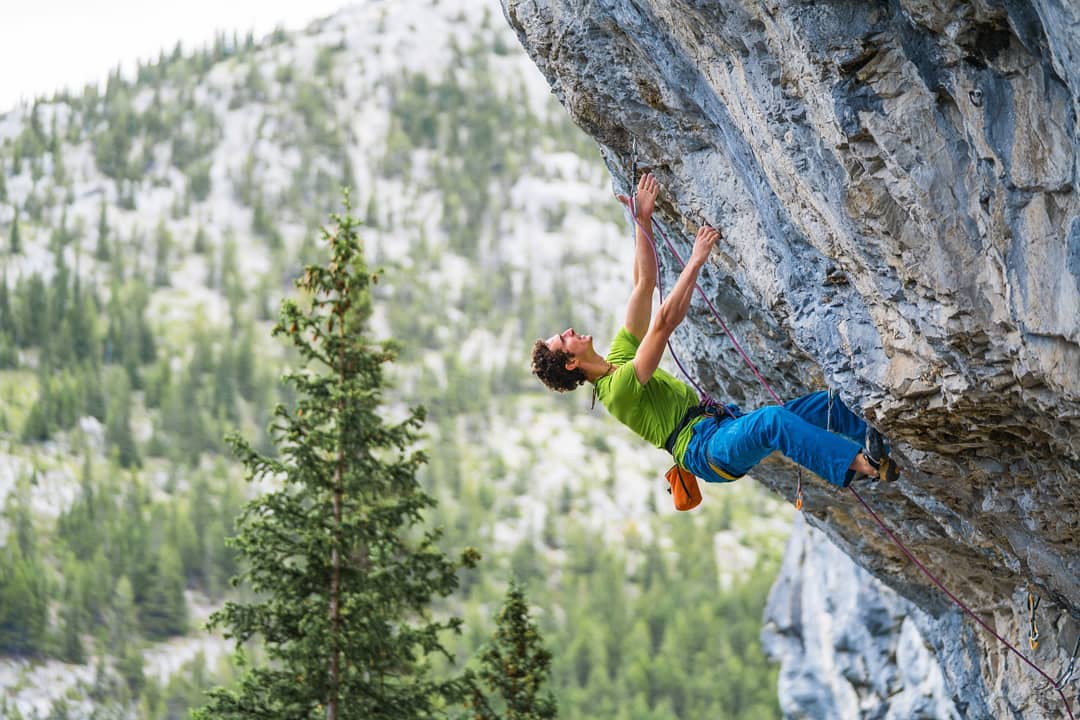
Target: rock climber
717 445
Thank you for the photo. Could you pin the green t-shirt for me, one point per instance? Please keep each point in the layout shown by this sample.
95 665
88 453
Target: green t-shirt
651 410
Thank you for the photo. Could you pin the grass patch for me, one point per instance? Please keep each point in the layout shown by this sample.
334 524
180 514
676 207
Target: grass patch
18 390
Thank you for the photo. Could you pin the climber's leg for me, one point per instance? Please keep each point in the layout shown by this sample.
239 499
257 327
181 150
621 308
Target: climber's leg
739 444
814 408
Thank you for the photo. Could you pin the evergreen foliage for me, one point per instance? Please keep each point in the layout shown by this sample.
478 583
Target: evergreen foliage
163 243
118 435
128 561
15 239
123 637
163 612
72 621
340 568
23 596
514 668
102 251
23 603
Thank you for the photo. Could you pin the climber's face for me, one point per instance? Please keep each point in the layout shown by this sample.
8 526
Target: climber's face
578 346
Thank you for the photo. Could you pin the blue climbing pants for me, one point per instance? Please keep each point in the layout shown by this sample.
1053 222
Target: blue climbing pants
731 446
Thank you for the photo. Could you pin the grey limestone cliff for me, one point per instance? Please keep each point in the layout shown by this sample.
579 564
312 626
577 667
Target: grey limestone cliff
896 186
845 642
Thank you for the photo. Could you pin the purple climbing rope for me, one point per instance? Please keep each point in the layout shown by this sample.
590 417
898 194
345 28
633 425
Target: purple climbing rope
705 397
708 302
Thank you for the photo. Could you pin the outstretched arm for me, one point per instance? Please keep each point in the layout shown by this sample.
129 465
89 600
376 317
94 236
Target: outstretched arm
639 306
673 310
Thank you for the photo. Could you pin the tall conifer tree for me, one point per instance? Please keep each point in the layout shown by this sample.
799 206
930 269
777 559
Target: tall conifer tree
337 560
514 667
162 252
14 240
102 252
23 595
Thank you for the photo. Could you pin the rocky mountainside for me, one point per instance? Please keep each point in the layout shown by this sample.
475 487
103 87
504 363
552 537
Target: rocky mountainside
896 186
149 228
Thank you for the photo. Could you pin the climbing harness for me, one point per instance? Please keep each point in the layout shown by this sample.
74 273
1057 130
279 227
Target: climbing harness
1033 629
1058 685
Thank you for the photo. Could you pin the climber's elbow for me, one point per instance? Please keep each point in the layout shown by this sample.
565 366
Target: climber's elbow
666 320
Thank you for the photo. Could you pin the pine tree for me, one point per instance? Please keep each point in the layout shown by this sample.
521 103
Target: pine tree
56 147
36 425
31 309
80 325
72 619
60 237
371 215
224 383
102 252
342 575
262 224
200 241
164 611
9 353
56 345
198 520
23 602
14 241
514 667
118 432
23 599
243 364
163 248
123 637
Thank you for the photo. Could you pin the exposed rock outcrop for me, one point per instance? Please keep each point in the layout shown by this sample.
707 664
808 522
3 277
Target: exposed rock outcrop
845 642
896 185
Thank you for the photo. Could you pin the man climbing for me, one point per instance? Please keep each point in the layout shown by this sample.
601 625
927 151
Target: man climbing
717 445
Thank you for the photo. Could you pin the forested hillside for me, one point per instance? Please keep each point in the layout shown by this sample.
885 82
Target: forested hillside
149 230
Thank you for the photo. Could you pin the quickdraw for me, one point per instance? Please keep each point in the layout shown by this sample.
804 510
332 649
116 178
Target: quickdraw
1067 673
1033 629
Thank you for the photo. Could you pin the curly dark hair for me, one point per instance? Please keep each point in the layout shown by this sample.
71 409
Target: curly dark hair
550 366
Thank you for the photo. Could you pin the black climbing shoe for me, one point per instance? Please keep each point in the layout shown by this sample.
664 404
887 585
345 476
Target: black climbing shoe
874 448
878 455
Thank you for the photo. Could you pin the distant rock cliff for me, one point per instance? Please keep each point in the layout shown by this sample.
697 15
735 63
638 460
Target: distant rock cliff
896 185
846 642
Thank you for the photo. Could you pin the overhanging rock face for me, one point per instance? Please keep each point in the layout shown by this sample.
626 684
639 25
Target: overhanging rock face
895 183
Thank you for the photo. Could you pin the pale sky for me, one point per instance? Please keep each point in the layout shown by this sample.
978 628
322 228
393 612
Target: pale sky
46 45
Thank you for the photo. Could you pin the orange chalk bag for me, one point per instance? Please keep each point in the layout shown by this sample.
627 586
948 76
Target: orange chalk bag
683 486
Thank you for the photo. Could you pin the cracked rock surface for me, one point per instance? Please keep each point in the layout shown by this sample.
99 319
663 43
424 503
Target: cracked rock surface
845 641
896 187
